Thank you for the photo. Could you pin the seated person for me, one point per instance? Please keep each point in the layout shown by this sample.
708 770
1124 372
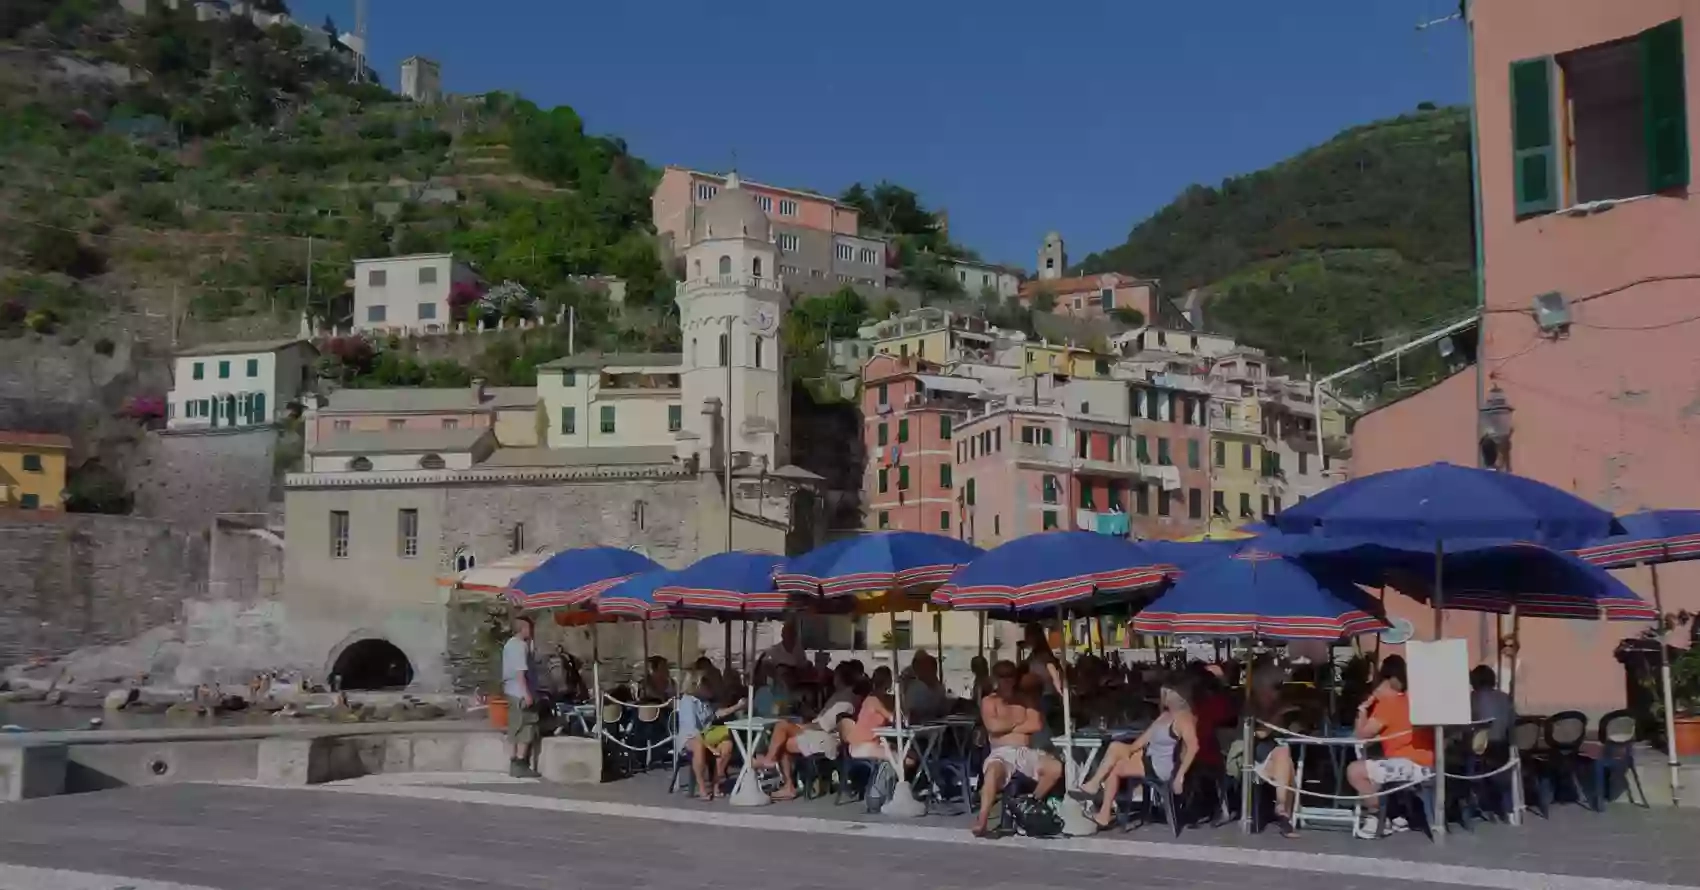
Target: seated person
982 684
1269 705
657 683
1012 719
817 736
923 696
873 714
773 689
1490 705
702 737
1407 753
1213 709
1170 744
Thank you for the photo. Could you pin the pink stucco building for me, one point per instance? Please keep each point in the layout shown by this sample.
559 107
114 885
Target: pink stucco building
1095 296
1586 115
910 415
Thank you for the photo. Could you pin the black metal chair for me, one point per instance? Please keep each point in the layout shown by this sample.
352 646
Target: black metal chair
1617 735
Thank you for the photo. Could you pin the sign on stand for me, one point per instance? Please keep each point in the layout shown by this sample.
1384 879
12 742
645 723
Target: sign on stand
1439 674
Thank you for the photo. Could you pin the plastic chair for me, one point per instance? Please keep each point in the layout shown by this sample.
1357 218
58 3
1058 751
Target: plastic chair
1617 735
1565 732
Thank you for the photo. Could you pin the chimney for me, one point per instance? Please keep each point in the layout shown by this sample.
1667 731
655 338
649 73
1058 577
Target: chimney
477 391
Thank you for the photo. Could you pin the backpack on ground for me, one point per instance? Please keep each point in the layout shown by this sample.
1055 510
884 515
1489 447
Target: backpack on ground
1033 818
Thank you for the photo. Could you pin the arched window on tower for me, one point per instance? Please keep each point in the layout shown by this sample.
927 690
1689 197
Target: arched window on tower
758 350
697 269
726 265
755 267
725 352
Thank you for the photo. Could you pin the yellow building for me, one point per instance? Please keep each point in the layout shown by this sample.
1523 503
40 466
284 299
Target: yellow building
1238 463
1072 361
32 470
934 335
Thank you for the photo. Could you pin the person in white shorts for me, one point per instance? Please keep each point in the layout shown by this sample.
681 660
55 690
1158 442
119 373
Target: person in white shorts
1407 752
1011 720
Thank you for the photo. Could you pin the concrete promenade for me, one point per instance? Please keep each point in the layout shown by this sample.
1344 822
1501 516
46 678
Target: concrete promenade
444 830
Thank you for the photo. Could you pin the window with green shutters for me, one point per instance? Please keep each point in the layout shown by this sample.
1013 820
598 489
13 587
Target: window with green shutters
675 418
607 418
968 493
224 370
1142 449
1221 450
944 426
1049 484
253 367
885 519
1045 435
1086 497
569 378
1192 454
1163 456
880 435
903 430
944 520
569 422
884 484
1534 153
199 372
1665 106
1050 520
944 476
903 478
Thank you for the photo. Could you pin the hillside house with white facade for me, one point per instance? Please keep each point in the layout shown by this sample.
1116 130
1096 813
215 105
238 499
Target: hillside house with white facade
407 293
237 384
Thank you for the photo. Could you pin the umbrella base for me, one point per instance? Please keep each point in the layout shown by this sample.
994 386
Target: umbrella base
1074 819
749 793
903 803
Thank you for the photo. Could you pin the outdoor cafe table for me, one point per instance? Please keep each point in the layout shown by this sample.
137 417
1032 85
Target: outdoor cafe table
749 732
922 737
1091 742
1337 747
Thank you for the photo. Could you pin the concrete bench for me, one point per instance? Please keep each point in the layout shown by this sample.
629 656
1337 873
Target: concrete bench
28 771
569 760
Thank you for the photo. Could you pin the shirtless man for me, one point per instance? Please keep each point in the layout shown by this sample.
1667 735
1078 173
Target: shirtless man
1011 719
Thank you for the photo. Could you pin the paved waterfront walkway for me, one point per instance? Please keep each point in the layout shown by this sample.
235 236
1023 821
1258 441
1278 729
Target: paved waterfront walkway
439 831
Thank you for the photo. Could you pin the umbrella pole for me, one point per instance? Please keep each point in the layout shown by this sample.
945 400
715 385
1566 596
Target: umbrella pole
1381 598
746 792
1669 695
902 802
1439 828
1511 690
726 628
596 676
1075 821
938 638
1248 766
679 684
646 643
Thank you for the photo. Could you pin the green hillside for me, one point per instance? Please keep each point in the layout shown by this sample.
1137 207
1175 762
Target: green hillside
1366 236
222 177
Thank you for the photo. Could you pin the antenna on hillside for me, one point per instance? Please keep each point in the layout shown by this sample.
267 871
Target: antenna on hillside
360 41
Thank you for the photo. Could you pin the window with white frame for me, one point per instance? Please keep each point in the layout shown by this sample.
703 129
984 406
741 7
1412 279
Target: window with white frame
787 207
765 203
846 251
339 534
407 532
706 192
788 242
867 256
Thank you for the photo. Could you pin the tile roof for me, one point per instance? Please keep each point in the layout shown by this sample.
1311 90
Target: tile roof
243 347
578 457
1079 283
618 360
399 399
511 397
399 442
34 440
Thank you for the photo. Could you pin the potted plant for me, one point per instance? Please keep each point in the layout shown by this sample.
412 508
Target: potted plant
1685 684
492 633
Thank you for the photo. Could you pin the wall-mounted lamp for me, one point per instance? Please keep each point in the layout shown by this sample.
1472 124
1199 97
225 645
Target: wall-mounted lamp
1494 429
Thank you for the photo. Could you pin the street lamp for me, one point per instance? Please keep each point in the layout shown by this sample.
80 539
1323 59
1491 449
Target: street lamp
1494 426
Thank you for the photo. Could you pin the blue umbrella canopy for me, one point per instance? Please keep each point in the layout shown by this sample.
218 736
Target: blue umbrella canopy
1541 582
737 581
875 564
576 576
1257 593
1649 537
1423 506
1053 569
1189 554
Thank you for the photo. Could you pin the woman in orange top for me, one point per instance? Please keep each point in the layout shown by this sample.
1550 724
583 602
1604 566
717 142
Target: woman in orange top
1407 752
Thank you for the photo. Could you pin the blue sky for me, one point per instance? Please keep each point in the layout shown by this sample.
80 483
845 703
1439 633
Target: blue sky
1016 116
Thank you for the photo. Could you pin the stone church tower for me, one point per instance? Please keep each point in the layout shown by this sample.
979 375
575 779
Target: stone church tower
1053 258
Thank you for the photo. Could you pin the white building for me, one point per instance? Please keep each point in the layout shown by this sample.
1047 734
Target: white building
616 401
1176 341
237 384
729 309
407 293
976 278
422 80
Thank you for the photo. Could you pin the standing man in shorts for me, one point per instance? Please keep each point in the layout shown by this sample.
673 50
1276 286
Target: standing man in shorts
519 684
1011 720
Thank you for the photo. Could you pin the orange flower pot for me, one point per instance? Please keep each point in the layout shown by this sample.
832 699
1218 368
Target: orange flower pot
1687 741
499 711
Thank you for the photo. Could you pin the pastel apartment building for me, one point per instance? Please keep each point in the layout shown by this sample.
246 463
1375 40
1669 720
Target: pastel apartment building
1095 296
355 423
818 239
910 413
225 385
407 294
1586 123
612 401
985 279
934 335
32 470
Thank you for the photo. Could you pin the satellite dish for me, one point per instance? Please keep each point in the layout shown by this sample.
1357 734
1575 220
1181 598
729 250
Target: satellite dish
1399 632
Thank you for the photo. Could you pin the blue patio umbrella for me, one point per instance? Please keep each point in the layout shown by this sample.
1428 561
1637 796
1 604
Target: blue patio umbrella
1438 502
1184 555
874 565
1653 537
1053 570
575 576
1258 593
1538 581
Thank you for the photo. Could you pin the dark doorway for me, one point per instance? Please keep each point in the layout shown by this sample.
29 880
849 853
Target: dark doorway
372 664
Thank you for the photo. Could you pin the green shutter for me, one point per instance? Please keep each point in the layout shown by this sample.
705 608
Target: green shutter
1045 435
903 430
675 418
880 439
944 426
944 476
607 418
568 426
903 478
258 408
944 520
1665 105
970 493
1534 152
882 482
1086 497
1141 449
1050 520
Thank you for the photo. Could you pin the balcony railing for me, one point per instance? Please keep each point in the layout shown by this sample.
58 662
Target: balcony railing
1222 424
731 281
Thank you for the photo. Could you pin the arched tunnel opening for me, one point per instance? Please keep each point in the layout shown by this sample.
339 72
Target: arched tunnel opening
372 664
